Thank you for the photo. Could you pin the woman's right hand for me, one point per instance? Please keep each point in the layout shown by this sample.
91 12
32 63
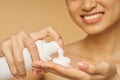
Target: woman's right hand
12 48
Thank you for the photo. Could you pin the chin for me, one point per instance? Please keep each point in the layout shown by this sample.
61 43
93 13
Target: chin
94 30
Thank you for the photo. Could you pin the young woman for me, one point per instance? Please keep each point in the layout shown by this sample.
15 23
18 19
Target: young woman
98 54
94 58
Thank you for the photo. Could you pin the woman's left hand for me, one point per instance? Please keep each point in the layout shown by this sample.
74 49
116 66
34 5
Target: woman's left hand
106 69
85 71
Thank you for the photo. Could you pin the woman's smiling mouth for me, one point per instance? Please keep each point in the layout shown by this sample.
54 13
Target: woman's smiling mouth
92 18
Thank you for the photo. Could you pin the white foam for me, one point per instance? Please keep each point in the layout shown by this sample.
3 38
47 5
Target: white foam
64 61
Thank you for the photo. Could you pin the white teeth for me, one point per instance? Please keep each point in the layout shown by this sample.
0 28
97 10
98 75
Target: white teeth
93 16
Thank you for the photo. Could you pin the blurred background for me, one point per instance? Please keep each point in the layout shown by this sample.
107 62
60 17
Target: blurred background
33 15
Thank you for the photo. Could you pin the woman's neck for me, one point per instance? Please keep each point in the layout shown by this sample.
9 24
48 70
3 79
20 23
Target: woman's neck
106 42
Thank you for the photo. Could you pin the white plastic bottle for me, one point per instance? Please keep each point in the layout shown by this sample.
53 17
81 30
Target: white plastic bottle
46 50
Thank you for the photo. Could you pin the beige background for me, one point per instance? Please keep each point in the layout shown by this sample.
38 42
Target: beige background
32 15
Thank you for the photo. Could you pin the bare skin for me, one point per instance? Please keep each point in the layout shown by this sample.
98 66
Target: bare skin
97 54
93 52
101 45
79 52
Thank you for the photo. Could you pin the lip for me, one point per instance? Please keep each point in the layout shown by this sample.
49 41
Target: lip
92 18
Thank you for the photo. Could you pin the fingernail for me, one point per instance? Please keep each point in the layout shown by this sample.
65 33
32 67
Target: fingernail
83 65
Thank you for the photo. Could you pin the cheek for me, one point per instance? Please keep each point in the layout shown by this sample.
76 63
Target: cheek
73 6
74 11
108 3
111 7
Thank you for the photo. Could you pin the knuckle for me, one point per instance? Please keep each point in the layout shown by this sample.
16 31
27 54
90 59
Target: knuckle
22 34
50 28
13 37
14 73
11 64
5 44
32 45
20 61
23 73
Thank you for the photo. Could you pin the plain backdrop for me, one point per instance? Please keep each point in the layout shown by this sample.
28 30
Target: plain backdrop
33 15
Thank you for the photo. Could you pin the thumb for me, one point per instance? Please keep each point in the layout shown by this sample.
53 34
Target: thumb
101 68
86 67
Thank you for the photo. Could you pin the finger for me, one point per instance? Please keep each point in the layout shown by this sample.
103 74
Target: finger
101 68
92 69
87 67
6 49
106 68
18 56
37 69
70 73
29 43
47 32
98 77
1 53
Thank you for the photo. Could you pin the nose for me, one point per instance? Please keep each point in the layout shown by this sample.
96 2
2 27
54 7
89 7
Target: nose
88 5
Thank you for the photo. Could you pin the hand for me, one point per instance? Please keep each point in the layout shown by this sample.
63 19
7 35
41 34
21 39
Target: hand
107 69
13 47
99 71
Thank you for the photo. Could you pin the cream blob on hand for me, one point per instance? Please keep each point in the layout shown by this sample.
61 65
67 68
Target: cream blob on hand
64 61
61 60
46 50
